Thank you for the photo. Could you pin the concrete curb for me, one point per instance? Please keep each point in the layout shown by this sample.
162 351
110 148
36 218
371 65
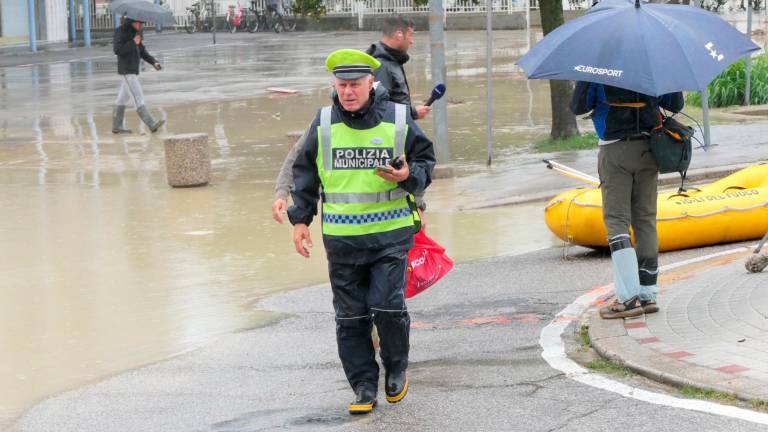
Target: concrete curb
694 176
611 341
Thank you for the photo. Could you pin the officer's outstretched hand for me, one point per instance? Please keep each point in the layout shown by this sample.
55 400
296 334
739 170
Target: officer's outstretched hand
300 238
397 175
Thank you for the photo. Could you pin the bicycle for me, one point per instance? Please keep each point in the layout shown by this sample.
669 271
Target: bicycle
236 18
271 20
196 18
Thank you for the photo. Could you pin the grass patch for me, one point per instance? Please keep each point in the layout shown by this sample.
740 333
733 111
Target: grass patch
722 397
759 405
728 88
586 141
608 366
698 393
583 336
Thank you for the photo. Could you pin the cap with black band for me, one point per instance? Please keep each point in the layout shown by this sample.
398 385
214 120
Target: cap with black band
351 64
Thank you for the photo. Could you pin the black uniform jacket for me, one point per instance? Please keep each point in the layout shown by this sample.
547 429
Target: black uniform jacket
306 192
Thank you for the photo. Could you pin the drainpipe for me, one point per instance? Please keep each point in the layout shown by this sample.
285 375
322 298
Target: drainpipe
86 23
32 29
72 21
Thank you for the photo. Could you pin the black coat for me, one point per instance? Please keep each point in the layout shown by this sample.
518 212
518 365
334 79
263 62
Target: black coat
129 55
613 121
391 74
306 192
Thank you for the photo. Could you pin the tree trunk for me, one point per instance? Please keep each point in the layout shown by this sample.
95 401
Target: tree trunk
563 121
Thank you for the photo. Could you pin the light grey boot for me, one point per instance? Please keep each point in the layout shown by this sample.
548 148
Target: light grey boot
118 113
146 117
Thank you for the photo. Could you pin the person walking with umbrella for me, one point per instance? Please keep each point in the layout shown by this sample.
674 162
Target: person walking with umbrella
629 59
128 45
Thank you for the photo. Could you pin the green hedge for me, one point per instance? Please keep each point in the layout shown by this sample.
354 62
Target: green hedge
728 88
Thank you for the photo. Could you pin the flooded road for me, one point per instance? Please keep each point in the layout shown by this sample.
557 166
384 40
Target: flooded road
106 268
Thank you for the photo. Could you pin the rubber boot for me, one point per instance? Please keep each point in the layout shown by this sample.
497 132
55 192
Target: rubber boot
625 268
396 386
649 287
118 113
365 401
146 117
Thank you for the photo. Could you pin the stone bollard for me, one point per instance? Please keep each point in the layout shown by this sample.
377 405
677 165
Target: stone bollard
187 160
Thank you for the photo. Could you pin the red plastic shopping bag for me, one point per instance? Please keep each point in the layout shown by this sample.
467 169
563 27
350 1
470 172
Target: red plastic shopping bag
427 264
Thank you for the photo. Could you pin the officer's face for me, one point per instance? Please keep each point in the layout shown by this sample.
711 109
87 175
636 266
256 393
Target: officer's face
354 94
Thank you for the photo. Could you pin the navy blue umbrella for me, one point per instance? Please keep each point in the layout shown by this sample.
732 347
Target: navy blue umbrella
652 49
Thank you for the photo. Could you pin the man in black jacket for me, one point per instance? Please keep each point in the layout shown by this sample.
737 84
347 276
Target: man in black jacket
629 174
392 53
367 222
128 45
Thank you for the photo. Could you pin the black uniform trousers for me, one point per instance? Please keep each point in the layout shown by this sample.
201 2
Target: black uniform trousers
363 295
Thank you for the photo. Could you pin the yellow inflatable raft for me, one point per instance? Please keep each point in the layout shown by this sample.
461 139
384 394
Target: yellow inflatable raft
731 209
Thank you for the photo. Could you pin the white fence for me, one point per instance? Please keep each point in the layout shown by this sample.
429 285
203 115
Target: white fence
369 7
101 18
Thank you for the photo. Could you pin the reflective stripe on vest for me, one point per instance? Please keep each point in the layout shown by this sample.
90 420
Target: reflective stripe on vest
367 217
364 198
356 201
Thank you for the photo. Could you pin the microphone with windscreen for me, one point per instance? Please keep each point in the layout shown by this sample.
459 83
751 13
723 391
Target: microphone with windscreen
437 93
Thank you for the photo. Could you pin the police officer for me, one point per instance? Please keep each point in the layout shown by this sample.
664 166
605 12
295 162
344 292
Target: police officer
367 218
628 172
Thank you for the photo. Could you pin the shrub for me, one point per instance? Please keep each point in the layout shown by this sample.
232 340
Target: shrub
728 88
313 8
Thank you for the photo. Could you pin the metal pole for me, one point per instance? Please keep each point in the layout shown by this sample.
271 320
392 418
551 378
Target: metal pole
32 29
158 27
489 78
437 55
86 23
72 21
528 14
213 20
705 106
748 61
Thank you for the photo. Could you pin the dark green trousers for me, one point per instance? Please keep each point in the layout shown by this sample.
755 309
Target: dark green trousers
629 177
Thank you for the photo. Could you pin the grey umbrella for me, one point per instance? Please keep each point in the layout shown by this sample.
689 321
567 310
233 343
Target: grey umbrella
142 10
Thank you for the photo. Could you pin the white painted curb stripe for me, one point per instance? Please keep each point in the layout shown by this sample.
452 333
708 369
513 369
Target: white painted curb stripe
554 353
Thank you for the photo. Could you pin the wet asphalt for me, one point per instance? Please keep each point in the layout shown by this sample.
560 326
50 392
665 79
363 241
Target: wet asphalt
475 365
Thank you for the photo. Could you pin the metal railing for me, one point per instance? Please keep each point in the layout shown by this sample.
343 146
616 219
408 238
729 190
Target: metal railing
102 19
373 7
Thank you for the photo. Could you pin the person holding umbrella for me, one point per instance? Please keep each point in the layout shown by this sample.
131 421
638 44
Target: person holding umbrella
628 172
128 45
629 59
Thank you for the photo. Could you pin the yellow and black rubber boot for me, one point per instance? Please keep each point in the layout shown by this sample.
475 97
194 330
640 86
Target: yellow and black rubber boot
365 401
396 386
